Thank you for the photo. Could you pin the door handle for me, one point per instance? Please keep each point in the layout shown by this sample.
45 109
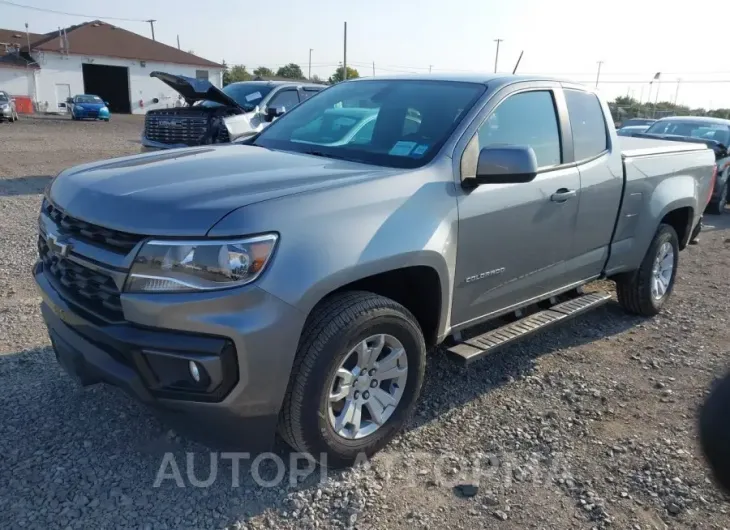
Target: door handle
563 194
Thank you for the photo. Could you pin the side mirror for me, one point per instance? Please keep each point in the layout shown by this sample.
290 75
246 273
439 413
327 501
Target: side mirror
506 164
274 112
62 105
107 103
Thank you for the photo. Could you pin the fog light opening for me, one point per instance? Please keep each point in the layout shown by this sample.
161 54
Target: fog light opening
194 371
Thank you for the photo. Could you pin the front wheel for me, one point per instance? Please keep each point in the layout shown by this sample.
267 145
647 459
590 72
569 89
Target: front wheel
646 290
718 207
356 378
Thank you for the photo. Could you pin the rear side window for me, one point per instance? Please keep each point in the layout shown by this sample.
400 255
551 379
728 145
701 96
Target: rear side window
588 124
527 118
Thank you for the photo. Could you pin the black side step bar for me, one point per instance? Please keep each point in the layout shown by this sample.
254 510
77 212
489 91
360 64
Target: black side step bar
481 345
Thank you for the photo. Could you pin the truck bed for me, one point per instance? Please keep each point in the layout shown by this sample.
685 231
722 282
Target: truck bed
632 147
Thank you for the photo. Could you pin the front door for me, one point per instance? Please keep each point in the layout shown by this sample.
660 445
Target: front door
63 92
514 239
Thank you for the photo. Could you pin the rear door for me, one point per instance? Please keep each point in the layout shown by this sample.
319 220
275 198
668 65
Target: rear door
514 238
601 182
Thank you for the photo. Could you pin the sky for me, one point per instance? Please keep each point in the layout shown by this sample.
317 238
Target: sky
635 39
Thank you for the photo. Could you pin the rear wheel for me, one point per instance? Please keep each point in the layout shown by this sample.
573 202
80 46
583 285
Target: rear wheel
356 378
646 290
718 207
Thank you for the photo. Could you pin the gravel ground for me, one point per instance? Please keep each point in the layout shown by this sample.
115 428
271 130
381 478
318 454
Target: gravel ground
590 425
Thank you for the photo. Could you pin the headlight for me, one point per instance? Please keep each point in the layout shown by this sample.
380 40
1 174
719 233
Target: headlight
180 266
103 109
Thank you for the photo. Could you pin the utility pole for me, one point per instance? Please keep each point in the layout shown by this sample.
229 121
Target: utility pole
344 62
429 68
373 68
178 42
514 70
676 93
598 75
27 35
310 64
152 25
496 55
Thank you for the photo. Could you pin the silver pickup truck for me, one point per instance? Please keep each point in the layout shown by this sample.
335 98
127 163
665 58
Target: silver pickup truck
298 280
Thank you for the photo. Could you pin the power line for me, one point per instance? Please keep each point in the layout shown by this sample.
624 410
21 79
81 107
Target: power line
6 2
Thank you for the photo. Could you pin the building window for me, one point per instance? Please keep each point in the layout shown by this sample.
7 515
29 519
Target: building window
201 74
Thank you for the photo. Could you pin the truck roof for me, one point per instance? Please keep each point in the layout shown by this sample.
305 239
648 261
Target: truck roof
481 78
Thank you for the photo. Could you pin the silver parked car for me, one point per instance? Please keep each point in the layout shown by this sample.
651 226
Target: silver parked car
8 111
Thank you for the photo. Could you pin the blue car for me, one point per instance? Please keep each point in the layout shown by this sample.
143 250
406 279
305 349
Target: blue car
88 106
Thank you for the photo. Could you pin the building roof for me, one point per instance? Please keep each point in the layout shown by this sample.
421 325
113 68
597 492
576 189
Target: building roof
11 37
101 39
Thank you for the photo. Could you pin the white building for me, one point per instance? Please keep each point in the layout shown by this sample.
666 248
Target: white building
96 58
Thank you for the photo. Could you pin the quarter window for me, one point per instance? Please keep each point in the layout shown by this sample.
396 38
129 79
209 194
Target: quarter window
527 118
587 123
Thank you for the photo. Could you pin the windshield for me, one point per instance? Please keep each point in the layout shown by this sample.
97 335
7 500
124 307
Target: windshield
4 96
398 123
699 129
248 95
88 99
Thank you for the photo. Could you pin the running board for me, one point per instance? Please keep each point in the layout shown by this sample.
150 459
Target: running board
486 343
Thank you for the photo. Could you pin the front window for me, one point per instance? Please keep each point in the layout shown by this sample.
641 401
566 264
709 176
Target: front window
397 123
693 129
248 95
88 99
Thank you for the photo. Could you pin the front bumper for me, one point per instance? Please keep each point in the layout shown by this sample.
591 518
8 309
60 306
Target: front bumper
262 331
151 145
91 114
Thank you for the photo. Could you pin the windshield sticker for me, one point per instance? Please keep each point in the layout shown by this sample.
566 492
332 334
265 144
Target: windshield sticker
402 148
418 151
254 96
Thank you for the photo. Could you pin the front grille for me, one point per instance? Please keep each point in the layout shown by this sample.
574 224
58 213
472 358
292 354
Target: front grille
105 237
91 290
174 127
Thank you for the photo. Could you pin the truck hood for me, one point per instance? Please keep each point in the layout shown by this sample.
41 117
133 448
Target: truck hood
196 89
184 192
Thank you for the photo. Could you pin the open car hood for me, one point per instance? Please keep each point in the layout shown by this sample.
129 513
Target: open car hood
196 89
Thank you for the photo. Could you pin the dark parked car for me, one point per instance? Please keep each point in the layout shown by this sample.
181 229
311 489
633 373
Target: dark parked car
715 133
214 116
632 122
630 130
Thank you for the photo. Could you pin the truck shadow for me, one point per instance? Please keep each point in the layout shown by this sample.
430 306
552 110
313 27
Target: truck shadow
450 385
101 454
27 185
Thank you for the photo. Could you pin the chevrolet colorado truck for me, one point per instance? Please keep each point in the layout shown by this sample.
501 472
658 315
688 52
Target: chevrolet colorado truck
296 282
214 116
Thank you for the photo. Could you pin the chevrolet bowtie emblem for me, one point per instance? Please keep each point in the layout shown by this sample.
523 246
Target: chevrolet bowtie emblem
58 245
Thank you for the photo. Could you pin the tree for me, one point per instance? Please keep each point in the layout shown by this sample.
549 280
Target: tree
340 73
226 73
237 73
316 79
262 71
290 71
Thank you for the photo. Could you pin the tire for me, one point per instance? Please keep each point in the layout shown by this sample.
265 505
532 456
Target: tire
328 340
634 289
718 207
